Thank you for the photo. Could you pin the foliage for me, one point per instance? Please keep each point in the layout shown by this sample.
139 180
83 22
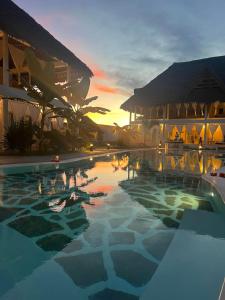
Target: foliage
20 135
76 93
47 94
55 141
125 134
43 88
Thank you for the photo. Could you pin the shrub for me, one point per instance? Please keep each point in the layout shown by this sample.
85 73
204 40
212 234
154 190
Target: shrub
55 141
20 135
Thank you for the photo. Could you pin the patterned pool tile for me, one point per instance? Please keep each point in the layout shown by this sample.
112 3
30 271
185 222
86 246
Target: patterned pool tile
121 238
109 245
54 242
112 295
34 226
158 244
85 269
133 267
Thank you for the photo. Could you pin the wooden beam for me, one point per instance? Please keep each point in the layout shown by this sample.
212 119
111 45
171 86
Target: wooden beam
205 125
130 118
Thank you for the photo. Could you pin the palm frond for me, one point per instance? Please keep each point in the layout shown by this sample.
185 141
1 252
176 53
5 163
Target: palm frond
91 109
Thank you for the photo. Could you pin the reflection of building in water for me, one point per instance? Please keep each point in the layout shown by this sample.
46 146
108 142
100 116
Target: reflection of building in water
183 105
120 162
193 162
166 196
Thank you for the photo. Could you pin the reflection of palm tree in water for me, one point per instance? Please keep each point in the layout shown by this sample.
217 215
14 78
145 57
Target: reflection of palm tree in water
65 189
50 217
56 203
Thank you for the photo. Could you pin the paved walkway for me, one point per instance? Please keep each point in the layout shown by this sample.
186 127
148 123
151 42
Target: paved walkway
11 159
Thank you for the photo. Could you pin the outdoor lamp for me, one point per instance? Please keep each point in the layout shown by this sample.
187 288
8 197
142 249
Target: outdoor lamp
56 158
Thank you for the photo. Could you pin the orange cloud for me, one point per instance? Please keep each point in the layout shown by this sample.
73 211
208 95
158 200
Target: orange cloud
98 73
106 89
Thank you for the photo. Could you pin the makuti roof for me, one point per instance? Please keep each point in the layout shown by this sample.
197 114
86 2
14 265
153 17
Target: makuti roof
18 24
200 80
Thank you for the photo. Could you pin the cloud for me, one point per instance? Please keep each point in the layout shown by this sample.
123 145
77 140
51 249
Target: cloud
98 73
110 90
106 89
151 61
135 40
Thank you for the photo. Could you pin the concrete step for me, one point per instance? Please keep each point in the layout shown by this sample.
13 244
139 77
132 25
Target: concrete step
194 264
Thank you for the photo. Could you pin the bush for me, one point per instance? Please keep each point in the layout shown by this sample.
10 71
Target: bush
55 141
20 136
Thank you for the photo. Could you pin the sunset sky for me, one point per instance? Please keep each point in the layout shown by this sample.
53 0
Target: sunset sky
128 42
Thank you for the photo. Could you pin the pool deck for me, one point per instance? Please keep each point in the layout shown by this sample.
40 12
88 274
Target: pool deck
217 182
10 160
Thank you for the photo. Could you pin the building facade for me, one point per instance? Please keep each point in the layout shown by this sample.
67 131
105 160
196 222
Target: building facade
18 32
184 105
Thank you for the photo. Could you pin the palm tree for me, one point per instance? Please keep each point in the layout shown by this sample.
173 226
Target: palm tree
125 133
76 93
44 90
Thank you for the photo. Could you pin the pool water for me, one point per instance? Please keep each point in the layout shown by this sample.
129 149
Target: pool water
93 229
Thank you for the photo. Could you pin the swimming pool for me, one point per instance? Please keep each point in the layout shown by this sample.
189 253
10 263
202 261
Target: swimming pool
97 228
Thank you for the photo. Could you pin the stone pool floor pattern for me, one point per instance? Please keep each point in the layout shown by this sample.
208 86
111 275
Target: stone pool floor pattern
116 246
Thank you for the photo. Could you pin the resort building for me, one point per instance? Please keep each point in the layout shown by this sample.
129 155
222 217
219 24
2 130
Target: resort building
184 105
18 32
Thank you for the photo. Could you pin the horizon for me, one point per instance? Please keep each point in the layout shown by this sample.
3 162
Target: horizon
175 32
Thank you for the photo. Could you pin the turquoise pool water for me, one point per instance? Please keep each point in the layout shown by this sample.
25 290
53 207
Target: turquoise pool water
97 228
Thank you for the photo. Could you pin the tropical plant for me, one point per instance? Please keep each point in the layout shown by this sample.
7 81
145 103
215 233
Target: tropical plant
42 89
55 141
125 134
76 93
20 135
50 97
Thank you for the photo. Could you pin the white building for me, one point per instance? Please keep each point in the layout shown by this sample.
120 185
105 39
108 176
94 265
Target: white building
19 31
183 105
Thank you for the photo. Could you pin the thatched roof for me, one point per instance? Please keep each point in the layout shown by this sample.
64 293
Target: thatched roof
194 81
19 25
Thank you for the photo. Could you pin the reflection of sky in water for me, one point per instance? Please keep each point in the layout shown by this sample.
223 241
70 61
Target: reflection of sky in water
115 212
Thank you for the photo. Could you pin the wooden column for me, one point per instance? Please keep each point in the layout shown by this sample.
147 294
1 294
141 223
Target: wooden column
135 115
206 125
167 111
130 119
164 125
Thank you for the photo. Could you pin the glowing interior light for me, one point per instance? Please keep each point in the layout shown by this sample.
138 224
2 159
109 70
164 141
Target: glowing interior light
212 194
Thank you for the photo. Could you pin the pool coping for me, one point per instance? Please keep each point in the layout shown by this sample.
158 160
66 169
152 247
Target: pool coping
216 182
70 160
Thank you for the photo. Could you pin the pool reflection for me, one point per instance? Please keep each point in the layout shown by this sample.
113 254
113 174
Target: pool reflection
107 203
